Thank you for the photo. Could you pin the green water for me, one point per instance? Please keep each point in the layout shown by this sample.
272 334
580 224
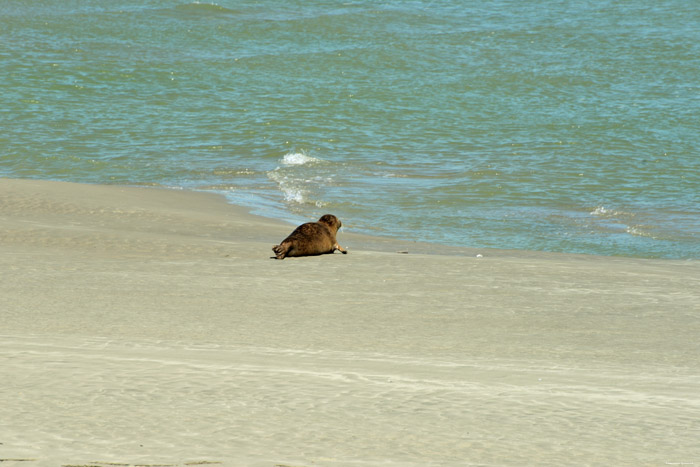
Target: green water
566 127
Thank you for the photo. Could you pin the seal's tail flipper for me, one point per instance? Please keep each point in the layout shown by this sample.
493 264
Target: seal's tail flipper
280 251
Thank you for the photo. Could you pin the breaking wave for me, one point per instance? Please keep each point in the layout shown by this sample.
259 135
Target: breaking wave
298 158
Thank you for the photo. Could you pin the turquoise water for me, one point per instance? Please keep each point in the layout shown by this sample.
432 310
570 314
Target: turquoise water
553 126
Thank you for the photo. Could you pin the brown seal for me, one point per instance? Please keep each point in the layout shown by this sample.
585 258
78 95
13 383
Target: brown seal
312 238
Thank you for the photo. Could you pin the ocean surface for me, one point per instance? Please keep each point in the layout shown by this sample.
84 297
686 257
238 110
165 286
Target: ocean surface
569 126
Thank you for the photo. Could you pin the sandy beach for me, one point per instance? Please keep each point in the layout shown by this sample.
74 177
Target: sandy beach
145 326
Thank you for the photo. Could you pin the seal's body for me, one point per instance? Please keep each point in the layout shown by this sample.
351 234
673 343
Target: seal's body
312 238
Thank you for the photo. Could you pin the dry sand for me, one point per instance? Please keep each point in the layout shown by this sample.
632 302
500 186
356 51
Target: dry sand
143 326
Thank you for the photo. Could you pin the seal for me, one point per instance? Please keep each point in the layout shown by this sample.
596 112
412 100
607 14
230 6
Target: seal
312 238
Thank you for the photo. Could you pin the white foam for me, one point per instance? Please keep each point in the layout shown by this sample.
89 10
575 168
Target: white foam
293 189
638 232
298 158
298 180
287 186
293 195
602 211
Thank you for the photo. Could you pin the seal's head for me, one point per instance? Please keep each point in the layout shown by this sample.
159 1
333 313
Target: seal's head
331 221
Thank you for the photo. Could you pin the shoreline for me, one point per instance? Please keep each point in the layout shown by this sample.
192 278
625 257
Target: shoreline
150 326
378 243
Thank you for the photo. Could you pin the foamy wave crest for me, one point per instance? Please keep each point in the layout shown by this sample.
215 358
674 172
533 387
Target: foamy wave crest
602 211
637 231
608 213
612 220
298 158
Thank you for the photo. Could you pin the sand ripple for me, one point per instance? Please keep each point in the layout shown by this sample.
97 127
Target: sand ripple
146 403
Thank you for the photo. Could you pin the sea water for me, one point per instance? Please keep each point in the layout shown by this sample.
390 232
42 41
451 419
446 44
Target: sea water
570 126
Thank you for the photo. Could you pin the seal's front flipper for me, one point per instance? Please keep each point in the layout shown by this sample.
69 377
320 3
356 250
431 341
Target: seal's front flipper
340 249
